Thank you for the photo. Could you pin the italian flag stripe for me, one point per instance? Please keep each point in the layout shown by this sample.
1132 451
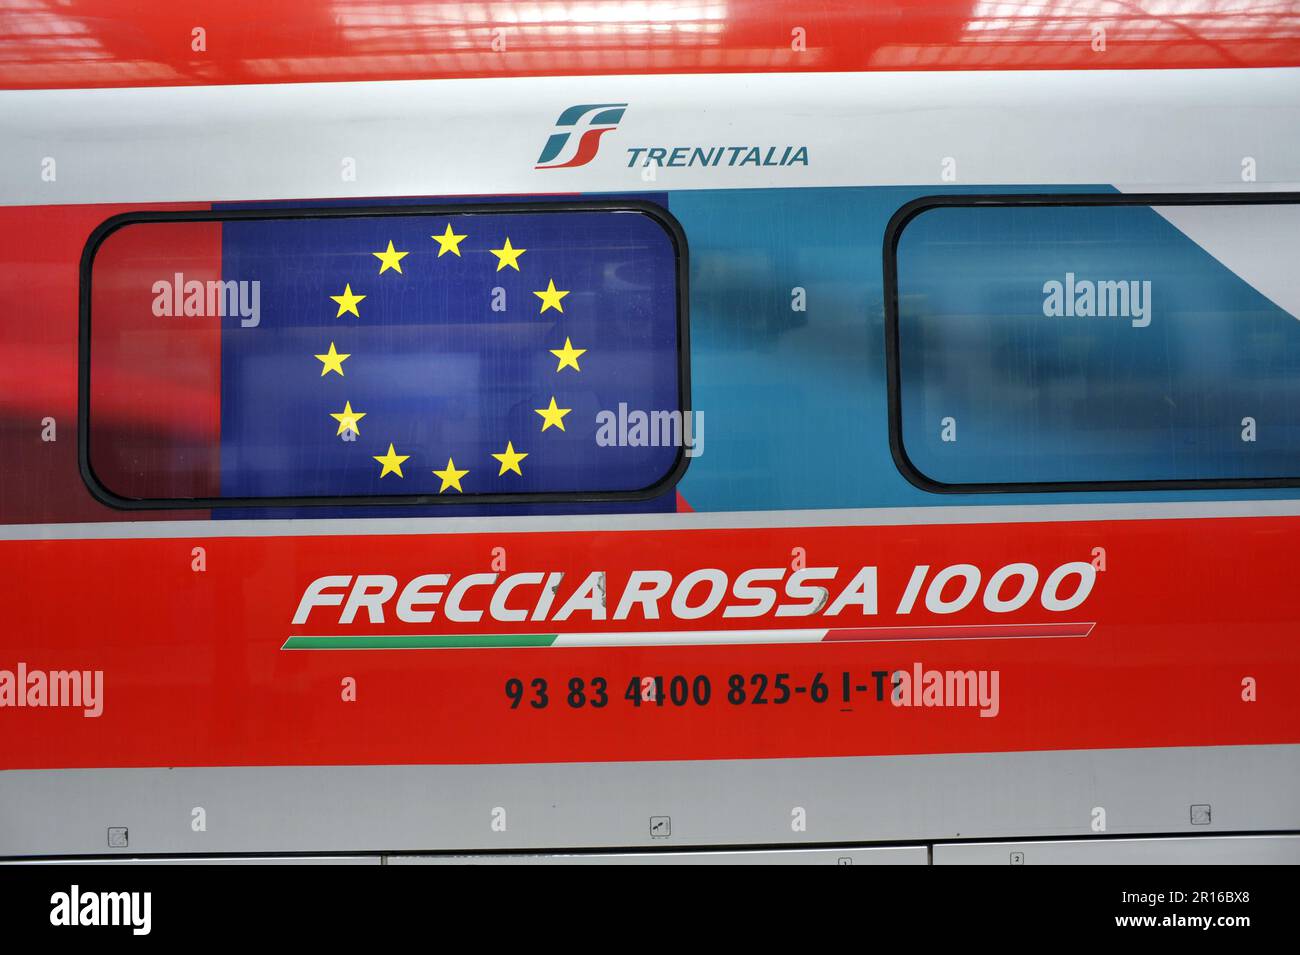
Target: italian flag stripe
674 638
421 642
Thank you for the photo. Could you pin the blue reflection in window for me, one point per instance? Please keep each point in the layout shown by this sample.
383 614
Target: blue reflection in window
1087 344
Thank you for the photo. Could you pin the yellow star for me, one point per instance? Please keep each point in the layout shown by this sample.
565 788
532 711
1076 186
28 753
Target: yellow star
392 259
391 461
347 302
450 476
551 297
448 242
510 459
552 415
508 256
568 356
333 361
347 419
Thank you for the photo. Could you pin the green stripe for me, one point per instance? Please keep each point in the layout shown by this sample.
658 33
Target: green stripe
420 642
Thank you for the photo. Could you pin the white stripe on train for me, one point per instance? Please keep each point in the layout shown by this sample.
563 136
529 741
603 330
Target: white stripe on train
720 520
416 138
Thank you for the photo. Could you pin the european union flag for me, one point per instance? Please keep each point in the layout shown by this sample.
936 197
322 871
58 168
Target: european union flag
450 354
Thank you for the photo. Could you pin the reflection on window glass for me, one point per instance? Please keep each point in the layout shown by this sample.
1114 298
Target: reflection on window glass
1065 344
442 355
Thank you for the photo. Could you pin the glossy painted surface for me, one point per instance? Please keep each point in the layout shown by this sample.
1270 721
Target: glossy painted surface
1148 703
195 674
103 43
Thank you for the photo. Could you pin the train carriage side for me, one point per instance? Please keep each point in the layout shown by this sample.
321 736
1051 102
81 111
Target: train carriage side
888 443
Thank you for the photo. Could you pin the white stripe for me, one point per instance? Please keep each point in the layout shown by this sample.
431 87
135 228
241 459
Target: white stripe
721 520
687 638
483 136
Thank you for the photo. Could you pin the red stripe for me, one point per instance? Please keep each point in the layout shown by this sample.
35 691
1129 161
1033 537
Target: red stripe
103 43
194 674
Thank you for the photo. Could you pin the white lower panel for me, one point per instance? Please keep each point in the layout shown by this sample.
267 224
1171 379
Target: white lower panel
885 855
653 806
1197 850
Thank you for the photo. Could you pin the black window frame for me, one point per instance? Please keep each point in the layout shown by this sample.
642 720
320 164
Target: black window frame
893 364
657 213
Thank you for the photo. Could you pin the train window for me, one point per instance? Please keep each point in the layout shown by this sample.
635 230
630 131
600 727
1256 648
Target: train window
1095 341
398 354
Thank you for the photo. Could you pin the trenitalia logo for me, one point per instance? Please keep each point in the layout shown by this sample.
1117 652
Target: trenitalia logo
577 134
577 138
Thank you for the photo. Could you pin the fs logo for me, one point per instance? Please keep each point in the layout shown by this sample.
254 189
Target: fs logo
577 134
